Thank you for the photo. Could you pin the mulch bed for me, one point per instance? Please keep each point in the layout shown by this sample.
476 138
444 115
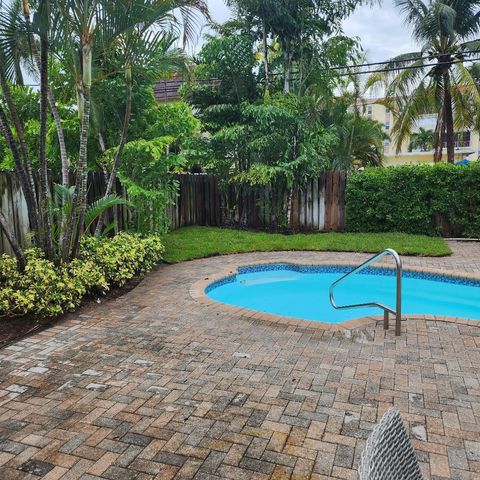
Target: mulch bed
14 329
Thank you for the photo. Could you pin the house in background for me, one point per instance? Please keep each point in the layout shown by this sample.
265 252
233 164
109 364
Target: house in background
168 90
467 143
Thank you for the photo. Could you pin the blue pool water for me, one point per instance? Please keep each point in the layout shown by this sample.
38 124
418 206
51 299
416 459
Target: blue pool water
302 292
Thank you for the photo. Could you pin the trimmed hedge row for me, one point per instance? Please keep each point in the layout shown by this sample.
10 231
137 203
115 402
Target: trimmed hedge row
424 199
44 289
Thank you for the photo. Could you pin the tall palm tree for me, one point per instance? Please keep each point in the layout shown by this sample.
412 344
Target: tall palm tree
434 79
14 135
263 12
359 139
73 30
42 27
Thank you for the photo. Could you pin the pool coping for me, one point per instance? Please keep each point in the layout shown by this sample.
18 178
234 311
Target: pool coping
198 288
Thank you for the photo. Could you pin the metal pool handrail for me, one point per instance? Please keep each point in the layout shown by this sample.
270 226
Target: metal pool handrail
386 310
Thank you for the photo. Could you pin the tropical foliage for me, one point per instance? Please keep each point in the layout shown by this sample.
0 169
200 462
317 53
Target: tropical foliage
124 41
45 289
273 98
269 106
422 140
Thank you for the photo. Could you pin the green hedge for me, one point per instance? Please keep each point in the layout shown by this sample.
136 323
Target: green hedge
44 289
424 199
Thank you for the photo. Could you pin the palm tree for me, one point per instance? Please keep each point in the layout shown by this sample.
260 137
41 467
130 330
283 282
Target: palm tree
434 79
422 140
73 30
366 149
264 12
42 26
359 139
15 139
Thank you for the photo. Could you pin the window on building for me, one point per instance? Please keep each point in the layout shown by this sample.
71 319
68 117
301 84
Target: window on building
369 110
387 125
462 140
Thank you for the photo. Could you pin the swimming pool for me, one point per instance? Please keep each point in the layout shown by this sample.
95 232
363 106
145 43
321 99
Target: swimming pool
300 291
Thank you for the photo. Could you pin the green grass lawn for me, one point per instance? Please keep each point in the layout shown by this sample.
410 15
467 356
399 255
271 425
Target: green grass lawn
198 242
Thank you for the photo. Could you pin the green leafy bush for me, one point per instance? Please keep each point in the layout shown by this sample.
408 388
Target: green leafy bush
441 199
123 256
44 289
145 172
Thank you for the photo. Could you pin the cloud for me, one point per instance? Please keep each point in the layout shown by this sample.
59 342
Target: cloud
218 10
382 31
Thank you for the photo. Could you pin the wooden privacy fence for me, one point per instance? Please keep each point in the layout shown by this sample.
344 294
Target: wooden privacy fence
14 207
320 206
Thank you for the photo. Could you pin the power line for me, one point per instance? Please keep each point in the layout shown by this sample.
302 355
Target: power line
393 69
408 59
407 67
386 70
388 62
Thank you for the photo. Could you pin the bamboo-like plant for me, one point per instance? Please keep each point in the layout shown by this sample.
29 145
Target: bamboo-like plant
74 31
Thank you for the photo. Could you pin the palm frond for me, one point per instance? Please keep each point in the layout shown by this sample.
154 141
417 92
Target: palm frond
14 47
63 194
412 107
465 97
414 10
438 23
95 209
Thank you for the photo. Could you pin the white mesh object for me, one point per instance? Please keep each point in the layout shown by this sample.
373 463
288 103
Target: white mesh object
388 453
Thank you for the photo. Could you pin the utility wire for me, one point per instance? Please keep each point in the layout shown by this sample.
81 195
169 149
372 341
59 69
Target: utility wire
393 69
408 59
407 67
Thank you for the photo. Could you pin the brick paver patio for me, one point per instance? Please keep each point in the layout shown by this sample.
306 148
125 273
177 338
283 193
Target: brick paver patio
156 385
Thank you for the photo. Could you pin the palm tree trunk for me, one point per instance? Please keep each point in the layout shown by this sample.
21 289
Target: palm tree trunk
287 68
79 204
265 55
24 170
16 247
289 206
437 136
61 138
44 192
123 140
80 198
103 149
449 120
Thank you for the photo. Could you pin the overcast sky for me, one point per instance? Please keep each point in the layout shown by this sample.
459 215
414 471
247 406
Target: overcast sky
381 29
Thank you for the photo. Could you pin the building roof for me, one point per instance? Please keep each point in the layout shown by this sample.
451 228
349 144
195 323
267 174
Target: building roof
166 91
